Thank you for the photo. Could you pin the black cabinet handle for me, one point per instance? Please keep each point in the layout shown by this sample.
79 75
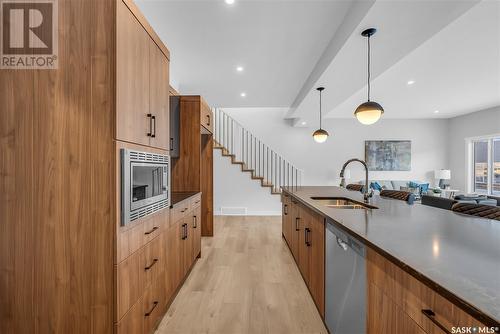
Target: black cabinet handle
153 118
208 123
307 230
171 144
297 224
195 222
151 231
186 228
432 317
151 265
184 233
147 314
150 133
285 209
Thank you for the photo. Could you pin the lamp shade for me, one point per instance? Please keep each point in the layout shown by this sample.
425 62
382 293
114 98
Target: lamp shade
320 136
369 112
442 174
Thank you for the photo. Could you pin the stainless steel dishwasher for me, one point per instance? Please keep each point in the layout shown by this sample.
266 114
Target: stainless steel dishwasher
345 283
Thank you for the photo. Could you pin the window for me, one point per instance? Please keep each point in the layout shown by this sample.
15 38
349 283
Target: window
486 166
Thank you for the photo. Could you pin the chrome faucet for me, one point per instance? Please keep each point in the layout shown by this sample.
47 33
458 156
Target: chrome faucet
366 194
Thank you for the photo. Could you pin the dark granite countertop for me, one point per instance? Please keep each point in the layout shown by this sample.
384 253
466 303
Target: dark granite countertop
177 197
455 254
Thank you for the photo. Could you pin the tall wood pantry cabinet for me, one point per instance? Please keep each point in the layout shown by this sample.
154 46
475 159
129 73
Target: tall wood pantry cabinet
192 171
66 263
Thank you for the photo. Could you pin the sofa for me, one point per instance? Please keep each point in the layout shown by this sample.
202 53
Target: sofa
447 204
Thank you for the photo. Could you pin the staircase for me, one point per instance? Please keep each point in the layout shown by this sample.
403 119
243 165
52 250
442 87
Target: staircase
262 163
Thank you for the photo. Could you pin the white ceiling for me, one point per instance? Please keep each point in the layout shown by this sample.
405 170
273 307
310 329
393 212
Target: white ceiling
277 42
450 48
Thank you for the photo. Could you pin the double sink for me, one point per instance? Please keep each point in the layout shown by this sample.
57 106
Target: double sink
342 203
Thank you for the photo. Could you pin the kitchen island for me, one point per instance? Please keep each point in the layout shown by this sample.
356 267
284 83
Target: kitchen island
428 270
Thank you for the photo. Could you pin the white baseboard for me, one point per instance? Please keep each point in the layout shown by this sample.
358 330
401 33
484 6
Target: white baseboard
249 213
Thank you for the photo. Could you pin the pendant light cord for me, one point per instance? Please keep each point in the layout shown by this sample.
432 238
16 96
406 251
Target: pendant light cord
320 110
369 74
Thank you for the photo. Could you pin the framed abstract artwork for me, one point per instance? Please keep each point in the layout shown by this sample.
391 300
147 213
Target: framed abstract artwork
388 155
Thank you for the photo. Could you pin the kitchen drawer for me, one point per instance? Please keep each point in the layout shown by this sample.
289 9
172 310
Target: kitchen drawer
413 296
195 201
154 226
153 306
179 210
153 260
133 321
137 272
131 238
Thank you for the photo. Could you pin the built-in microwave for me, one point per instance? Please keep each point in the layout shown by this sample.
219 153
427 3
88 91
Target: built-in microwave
145 184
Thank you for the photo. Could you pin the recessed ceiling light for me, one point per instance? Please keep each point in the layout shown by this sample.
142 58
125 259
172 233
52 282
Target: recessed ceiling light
239 68
229 2
411 82
303 123
436 111
243 94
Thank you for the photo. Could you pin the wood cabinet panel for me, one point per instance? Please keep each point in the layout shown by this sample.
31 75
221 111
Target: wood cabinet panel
384 316
316 240
174 258
159 97
206 185
133 321
130 280
206 117
132 78
153 305
286 224
413 296
296 224
305 226
196 232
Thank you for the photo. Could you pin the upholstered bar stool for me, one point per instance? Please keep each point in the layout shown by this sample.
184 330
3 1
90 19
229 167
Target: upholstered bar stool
355 187
399 195
478 210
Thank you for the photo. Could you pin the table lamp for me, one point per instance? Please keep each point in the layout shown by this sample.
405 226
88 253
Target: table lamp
441 175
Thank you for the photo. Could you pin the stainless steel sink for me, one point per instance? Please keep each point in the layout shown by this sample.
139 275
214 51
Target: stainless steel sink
342 203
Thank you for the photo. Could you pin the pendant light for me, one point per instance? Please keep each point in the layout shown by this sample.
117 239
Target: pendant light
320 135
369 112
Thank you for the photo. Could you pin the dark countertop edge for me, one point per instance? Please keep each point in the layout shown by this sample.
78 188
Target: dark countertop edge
179 196
464 305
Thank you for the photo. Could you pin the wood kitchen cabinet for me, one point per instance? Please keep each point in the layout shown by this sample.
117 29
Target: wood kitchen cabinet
192 171
304 231
142 81
399 303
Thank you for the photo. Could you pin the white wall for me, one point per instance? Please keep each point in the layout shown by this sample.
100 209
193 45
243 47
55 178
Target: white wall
481 123
322 162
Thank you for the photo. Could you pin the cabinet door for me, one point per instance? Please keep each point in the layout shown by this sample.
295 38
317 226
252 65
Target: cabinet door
295 231
175 123
304 245
174 257
196 232
132 78
206 117
286 220
188 244
159 97
316 246
384 316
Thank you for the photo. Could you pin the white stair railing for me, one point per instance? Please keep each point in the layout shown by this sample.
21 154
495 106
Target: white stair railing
272 168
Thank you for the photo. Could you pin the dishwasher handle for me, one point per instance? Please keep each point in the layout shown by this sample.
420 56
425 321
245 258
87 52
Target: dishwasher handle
341 243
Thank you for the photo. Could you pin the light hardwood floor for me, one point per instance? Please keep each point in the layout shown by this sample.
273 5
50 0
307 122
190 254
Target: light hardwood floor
245 282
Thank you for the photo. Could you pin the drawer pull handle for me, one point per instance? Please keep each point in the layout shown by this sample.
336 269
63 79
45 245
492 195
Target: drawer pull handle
208 117
171 144
198 201
285 209
150 133
151 265
147 314
184 232
307 230
151 231
432 317
195 222
297 224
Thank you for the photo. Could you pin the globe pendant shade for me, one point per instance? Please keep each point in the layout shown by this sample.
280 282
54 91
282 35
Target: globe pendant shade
320 136
369 112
